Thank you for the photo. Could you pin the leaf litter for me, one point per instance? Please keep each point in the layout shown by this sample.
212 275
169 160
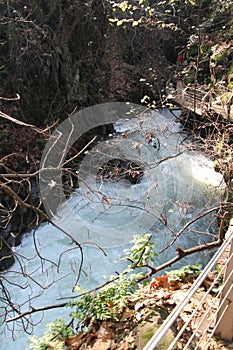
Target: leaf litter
146 311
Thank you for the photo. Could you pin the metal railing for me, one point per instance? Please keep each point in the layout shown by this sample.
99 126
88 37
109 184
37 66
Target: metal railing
212 319
199 100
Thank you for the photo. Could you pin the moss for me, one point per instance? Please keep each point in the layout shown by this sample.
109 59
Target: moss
164 343
148 334
150 325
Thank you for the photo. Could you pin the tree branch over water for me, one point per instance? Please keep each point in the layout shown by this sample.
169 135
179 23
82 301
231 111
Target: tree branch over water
181 253
13 182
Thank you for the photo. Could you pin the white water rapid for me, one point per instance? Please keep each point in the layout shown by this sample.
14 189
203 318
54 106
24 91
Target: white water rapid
177 187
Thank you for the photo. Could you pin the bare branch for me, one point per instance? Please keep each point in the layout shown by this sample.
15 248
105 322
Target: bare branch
10 99
31 126
177 235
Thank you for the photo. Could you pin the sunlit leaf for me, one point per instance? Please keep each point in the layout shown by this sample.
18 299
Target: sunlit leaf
150 12
119 23
135 23
123 6
79 289
145 98
112 20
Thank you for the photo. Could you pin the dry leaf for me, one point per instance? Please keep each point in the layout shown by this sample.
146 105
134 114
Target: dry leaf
110 305
139 305
149 138
74 342
102 345
105 332
161 281
51 344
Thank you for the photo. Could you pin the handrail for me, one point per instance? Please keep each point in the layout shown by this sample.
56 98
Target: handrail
199 100
197 309
156 338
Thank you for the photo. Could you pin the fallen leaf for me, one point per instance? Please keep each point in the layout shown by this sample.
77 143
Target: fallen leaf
51 344
105 333
102 345
161 281
74 342
139 305
110 305
149 138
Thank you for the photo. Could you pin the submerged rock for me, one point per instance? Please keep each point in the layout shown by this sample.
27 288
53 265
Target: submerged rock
121 169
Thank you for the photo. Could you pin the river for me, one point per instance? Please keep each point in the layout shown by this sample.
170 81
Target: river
177 186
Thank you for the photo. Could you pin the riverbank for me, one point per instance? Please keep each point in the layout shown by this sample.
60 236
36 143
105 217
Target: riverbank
145 311
142 315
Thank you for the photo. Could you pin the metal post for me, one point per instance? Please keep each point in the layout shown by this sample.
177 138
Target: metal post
156 338
224 321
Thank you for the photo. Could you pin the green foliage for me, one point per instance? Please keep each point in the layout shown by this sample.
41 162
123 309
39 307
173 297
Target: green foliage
53 329
217 53
230 77
158 13
4 132
142 251
190 76
107 303
205 49
110 300
185 272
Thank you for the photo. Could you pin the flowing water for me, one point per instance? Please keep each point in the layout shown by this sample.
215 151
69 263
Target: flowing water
177 186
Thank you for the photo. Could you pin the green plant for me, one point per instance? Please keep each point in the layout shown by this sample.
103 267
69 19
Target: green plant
4 132
50 337
185 273
110 300
217 54
107 303
205 50
142 252
219 283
